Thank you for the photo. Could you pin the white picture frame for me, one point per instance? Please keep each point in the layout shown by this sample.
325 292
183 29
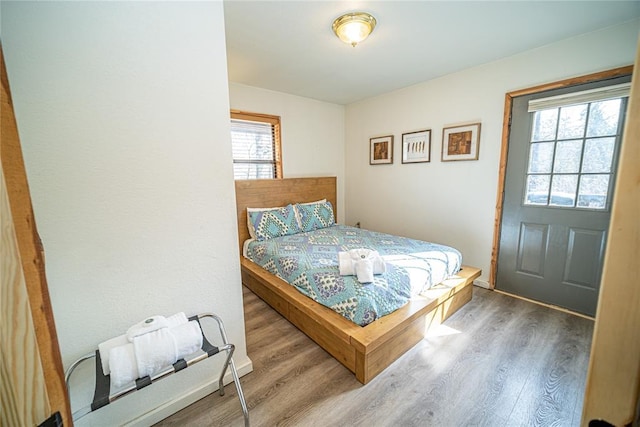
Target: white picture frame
416 146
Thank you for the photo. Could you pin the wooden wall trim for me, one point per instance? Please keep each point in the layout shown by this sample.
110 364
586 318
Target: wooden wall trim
31 252
247 115
504 149
502 172
594 77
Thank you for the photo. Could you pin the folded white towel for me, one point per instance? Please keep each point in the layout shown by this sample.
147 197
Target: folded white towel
150 324
105 349
123 365
188 338
346 261
151 352
155 351
379 267
364 270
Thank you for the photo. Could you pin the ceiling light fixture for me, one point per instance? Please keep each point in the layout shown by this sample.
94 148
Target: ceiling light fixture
352 28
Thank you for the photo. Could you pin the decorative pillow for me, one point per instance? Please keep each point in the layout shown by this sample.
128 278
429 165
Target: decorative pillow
274 222
305 204
313 216
252 212
313 203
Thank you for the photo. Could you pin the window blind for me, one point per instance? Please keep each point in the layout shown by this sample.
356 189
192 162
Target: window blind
582 97
253 149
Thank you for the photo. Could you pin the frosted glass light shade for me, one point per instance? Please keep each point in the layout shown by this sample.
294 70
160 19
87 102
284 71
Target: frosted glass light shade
352 28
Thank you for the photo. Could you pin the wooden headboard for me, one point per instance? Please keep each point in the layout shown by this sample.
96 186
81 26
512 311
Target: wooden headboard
268 193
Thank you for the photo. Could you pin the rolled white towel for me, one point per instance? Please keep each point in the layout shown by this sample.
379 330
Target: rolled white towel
364 270
176 320
150 324
105 349
188 338
123 365
154 351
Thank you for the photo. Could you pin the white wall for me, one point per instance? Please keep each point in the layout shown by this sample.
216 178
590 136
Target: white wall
312 133
123 114
454 202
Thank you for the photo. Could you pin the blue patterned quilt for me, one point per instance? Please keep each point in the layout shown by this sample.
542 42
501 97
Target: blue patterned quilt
309 261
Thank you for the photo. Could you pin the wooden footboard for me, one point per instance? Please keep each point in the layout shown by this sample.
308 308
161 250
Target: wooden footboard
365 351
380 343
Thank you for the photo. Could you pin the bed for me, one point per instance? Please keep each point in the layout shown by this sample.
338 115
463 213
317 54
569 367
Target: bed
365 351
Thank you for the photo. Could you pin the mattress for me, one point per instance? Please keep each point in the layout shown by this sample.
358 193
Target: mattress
309 262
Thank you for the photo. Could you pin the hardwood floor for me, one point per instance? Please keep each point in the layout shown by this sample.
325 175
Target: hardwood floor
499 361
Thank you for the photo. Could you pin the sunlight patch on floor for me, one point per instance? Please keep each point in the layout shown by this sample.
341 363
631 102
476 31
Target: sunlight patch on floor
441 331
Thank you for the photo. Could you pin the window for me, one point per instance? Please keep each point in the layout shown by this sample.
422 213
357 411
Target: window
255 140
571 152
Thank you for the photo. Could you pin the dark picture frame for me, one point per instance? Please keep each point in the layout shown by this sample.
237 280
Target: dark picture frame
381 150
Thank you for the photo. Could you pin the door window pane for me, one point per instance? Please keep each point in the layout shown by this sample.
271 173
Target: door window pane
573 168
572 121
603 118
598 155
540 157
593 191
568 154
563 190
544 125
537 192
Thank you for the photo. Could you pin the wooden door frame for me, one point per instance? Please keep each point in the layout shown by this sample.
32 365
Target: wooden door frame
504 149
31 255
612 390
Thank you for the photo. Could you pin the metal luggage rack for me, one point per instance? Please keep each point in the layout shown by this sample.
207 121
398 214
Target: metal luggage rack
102 396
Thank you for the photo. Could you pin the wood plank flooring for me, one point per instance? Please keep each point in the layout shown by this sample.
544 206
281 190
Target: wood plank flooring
499 361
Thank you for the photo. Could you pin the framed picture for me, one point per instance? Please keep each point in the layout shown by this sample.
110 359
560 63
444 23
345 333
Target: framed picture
381 150
416 146
461 142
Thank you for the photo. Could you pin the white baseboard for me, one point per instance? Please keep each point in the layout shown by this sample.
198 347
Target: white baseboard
481 283
161 412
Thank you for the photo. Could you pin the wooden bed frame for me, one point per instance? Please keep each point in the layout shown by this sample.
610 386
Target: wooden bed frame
365 351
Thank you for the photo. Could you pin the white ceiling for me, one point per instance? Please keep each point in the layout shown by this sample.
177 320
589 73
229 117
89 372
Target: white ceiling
288 46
